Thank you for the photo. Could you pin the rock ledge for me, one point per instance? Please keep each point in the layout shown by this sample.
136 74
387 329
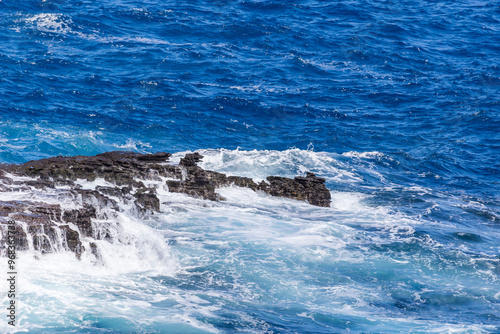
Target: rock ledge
53 227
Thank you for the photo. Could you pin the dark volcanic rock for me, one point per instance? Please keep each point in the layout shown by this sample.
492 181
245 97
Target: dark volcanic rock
41 222
113 191
45 227
190 159
197 183
147 200
73 240
202 183
116 167
310 189
157 157
82 218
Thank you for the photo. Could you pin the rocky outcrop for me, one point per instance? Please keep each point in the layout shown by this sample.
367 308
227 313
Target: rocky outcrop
48 227
200 182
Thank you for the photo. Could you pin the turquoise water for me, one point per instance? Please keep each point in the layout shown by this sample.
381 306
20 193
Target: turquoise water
394 104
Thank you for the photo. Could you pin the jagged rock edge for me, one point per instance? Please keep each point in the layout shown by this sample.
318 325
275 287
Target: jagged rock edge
43 227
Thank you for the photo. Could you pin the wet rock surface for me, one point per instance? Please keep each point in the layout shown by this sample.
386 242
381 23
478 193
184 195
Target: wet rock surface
57 226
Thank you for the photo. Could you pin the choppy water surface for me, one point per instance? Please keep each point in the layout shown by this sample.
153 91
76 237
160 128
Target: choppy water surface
395 104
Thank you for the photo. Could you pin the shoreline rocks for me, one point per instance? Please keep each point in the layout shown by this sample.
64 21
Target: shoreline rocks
47 227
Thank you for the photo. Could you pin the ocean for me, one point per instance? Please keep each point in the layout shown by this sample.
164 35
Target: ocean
395 103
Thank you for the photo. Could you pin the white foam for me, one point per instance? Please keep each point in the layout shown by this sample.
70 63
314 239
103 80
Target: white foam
92 185
260 164
134 145
4 142
57 290
458 328
134 246
348 201
252 240
51 22
364 155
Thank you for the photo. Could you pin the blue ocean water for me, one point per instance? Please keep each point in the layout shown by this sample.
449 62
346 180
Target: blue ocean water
396 104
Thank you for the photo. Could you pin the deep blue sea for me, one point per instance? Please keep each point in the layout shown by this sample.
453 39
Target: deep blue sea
395 103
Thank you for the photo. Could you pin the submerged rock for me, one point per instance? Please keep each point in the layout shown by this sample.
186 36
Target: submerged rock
49 227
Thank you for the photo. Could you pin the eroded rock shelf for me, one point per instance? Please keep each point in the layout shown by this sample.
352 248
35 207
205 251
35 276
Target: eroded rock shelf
71 217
